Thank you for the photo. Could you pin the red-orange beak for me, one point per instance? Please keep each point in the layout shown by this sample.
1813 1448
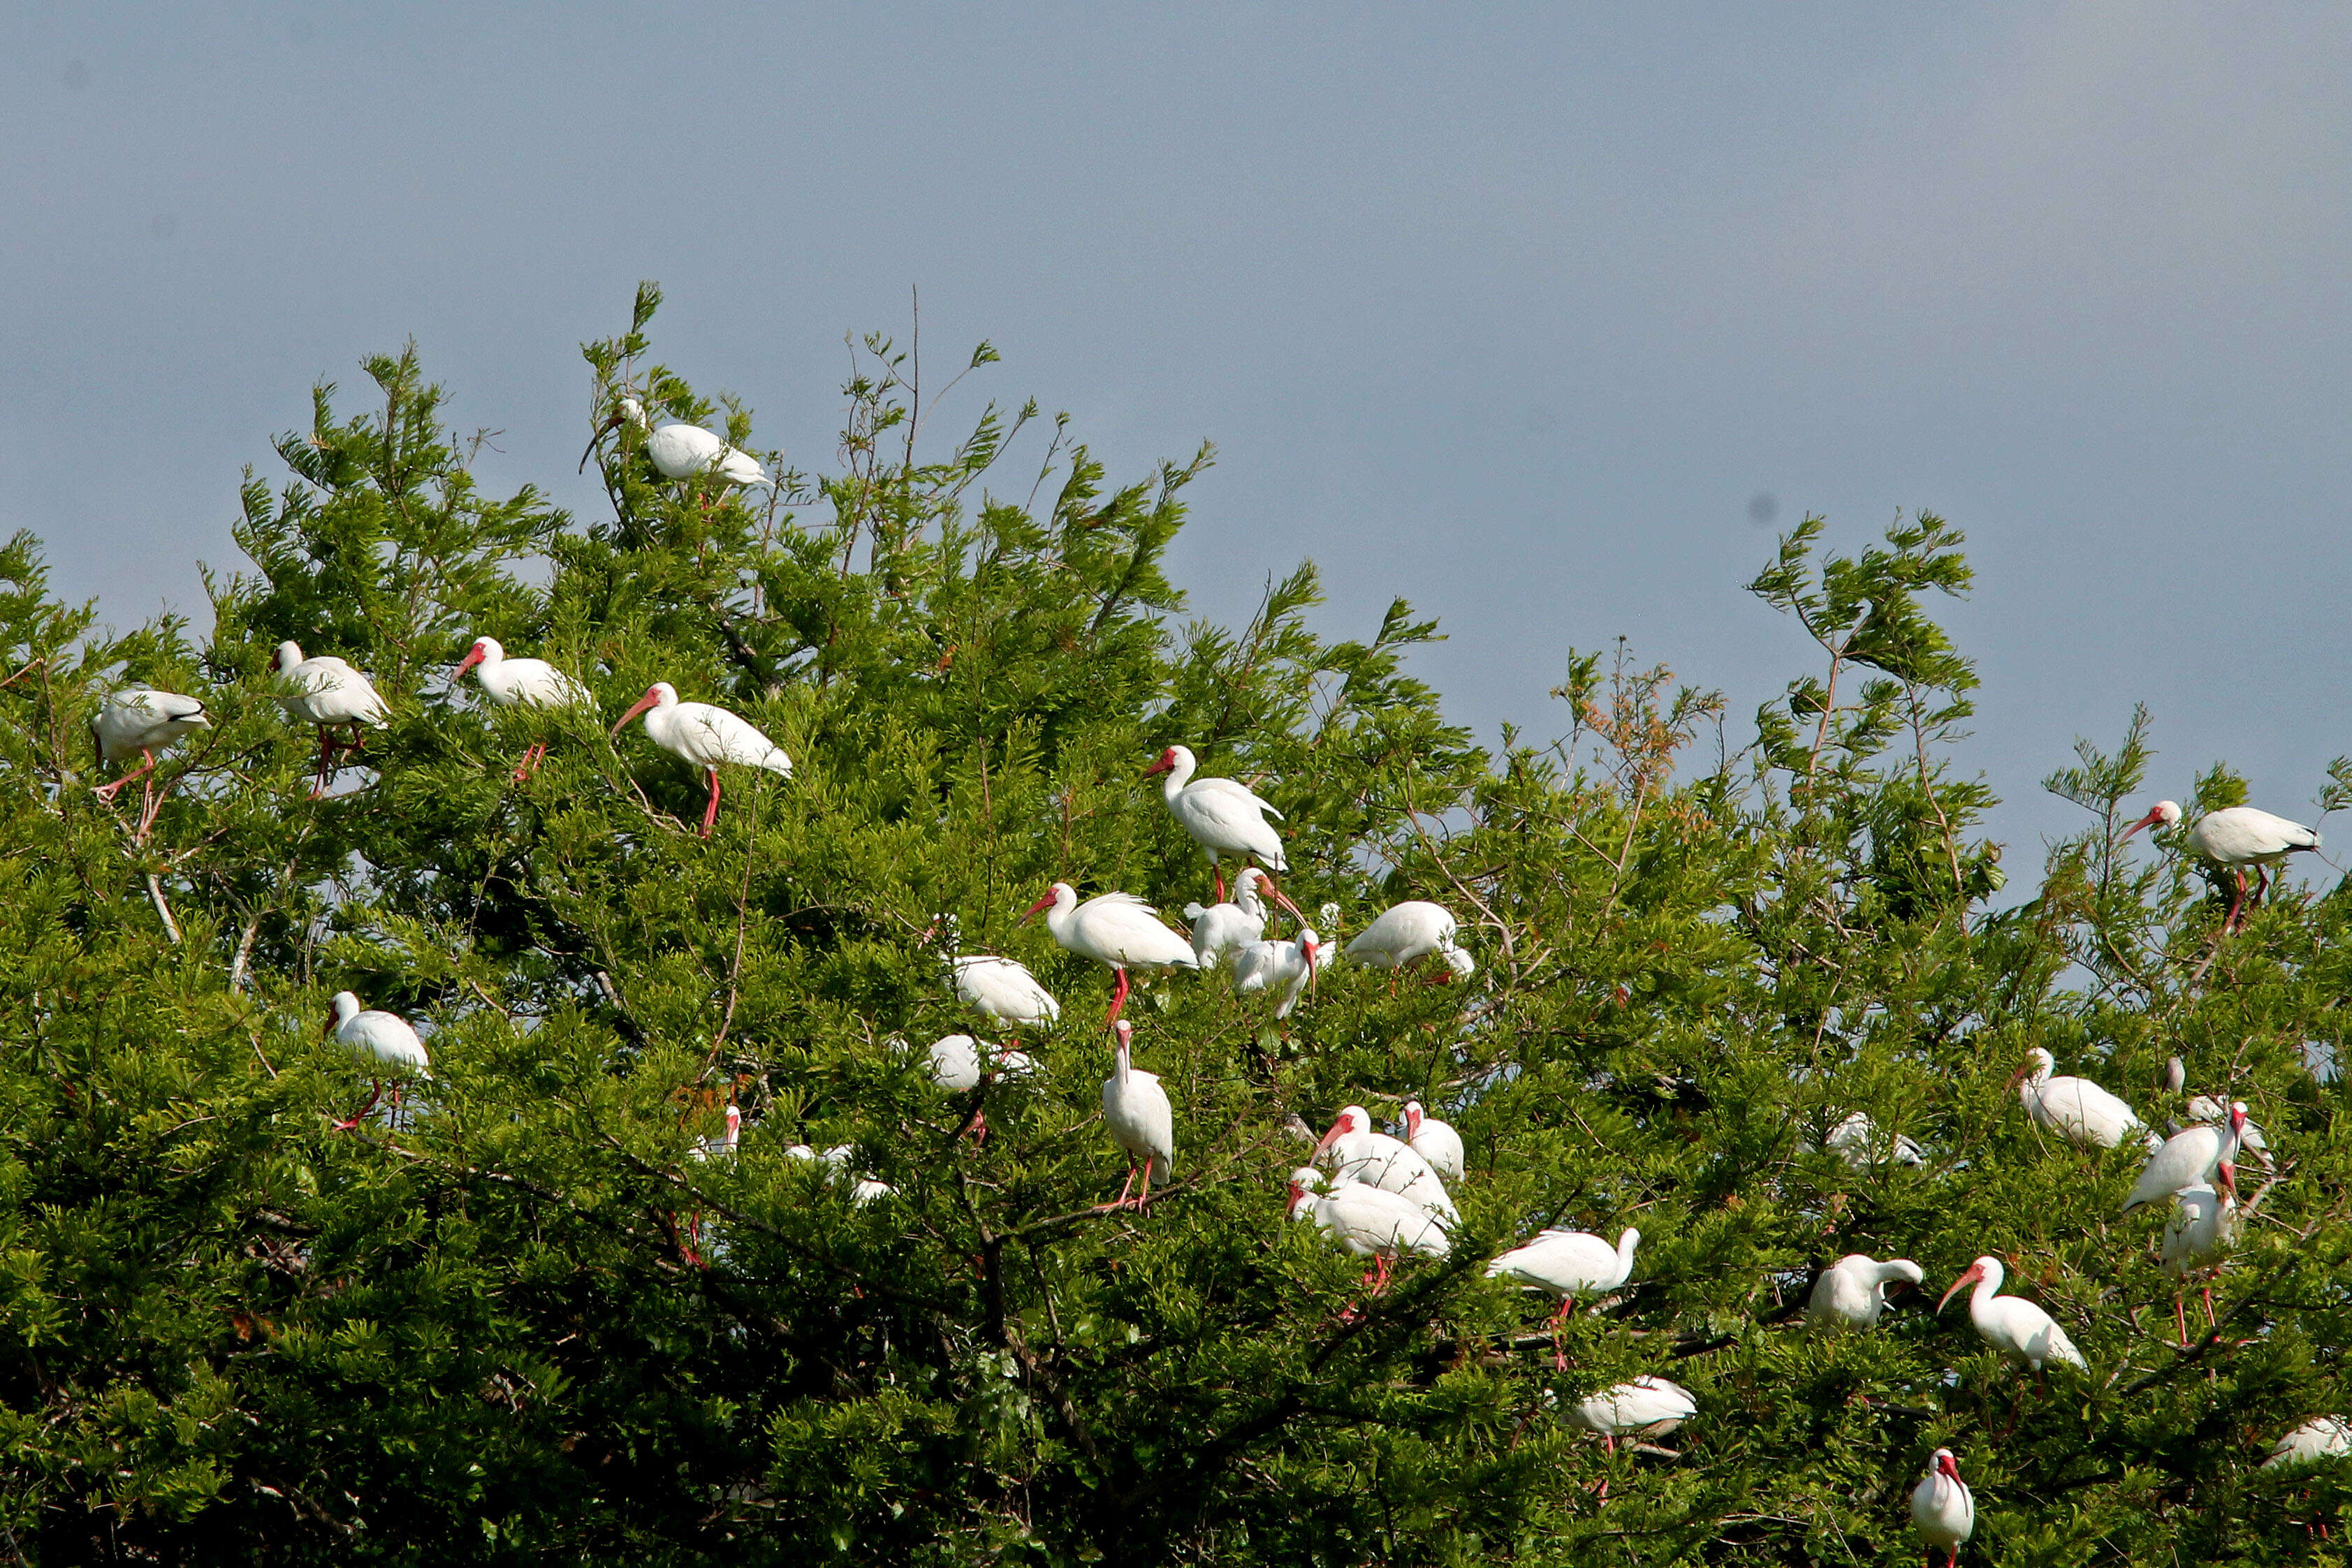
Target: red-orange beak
2225 1177
473 656
1037 908
1329 1138
2021 1076
651 699
1970 1277
1274 893
2151 820
1167 760
1949 1466
1309 949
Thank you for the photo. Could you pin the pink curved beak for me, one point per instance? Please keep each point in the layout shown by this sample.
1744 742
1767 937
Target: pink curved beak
1280 897
1167 760
1309 949
651 699
1331 1137
2151 819
1035 909
1949 1466
473 656
1972 1276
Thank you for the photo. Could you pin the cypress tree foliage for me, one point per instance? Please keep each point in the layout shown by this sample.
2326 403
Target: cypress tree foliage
528 1317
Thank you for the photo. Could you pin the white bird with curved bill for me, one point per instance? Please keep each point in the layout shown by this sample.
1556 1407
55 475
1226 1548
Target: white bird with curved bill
1360 1153
705 736
1219 929
2010 1324
1648 1406
385 1040
1408 932
2236 837
325 691
1852 1291
2187 1157
140 721
1142 1122
1433 1141
1283 970
1568 1264
2198 1239
2214 1109
1114 928
1223 817
724 1144
1368 1221
680 450
1857 1141
1943 1509
2318 1441
2075 1108
521 682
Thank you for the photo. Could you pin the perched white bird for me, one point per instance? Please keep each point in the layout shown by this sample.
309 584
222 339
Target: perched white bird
959 1061
1285 968
679 451
864 1190
1224 818
1003 989
2320 1438
1222 928
1366 1220
1411 930
2010 1324
2075 1108
1645 1407
329 692
705 736
2212 1108
1943 1509
2203 1229
2187 1157
140 721
1569 1264
1852 1291
1114 928
521 682
2236 837
1375 1159
1433 1141
726 1143
384 1040
1136 1110
1855 1140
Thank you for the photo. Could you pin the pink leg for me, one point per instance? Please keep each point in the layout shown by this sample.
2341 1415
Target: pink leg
2229 921
376 1092
107 792
1120 1201
1387 1264
1117 998
1143 1196
326 760
710 813
1559 1324
2210 1320
2180 1318
1218 871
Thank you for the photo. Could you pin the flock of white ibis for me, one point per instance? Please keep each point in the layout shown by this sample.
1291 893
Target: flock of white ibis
1383 1197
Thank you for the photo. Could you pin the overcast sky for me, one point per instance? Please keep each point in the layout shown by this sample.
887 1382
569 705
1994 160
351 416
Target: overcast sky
1518 311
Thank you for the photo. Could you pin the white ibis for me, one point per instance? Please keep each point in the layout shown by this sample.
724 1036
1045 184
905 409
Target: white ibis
864 1190
1114 928
2010 1324
681 451
1569 1264
705 736
384 1040
725 1144
2187 1157
1943 1509
1136 1110
1645 1407
521 682
329 692
1408 931
1855 1140
959 1061
2320 1438
1003 989
1224 818
1366 1220
2236 837
1433 1141
1360 1153
140 720
1852 1291
2075 1108
1219 929
2198 1238
1282 968
2213 1108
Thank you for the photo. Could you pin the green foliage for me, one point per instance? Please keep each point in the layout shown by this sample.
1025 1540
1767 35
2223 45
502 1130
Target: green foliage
522 1321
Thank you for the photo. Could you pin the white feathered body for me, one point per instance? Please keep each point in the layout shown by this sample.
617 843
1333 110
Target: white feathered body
324 690
2075 1108
1852 1291
524 683
1433 1141
1366 1220
1004 990
1282 968
1377 1160
1220 929
2321 1438
141 718
1569 1263
1645 1407
1855 1141
679 451
1943 1509
376 1037
958 1061
1116 928
2015 1327
1408 931
2242 836
2187 1158
1223 817
709 736
2202 1229
1136 1110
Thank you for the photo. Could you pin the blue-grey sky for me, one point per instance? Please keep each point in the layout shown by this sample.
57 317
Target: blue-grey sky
1514 311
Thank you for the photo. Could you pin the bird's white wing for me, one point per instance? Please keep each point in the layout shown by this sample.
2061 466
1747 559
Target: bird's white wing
1240 793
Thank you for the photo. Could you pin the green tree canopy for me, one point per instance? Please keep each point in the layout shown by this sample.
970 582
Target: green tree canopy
529 1317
